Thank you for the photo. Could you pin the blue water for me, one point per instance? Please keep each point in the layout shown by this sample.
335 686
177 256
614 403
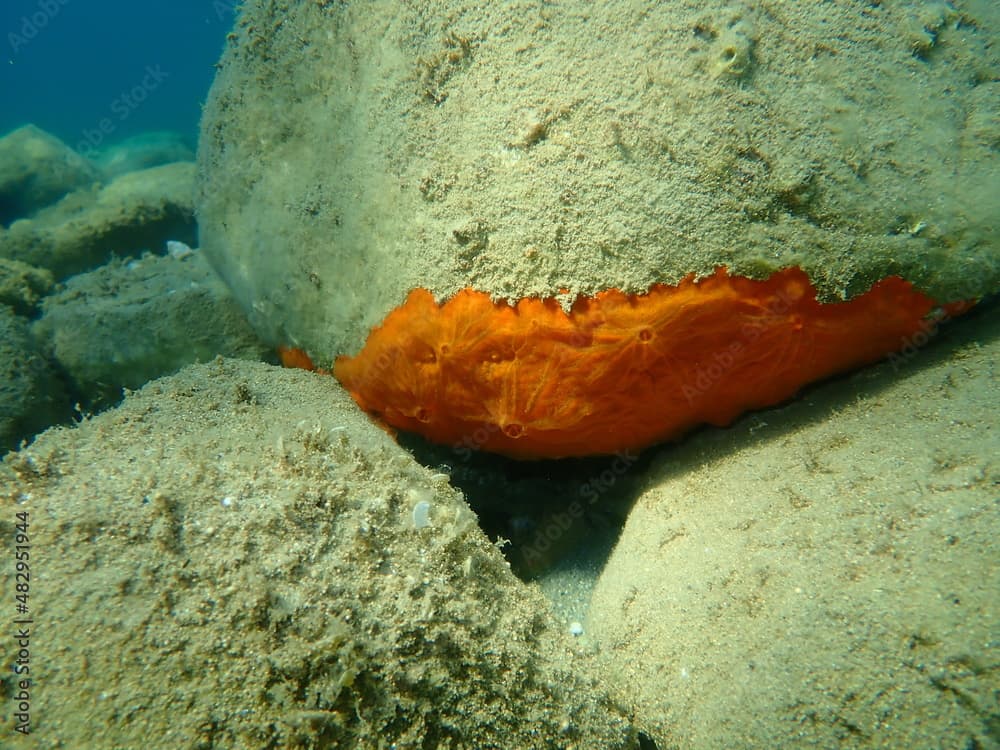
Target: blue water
93 72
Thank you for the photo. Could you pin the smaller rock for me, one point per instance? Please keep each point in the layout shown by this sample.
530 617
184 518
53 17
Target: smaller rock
36 170
131 321
142 152
31 394
135 212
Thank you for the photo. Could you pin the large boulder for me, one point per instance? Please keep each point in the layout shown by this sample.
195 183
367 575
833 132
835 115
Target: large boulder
350 153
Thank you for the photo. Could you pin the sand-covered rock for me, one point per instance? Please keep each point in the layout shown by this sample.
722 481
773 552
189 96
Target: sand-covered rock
135 212
826 575
32 397
236 557
350 153
129 322
36 170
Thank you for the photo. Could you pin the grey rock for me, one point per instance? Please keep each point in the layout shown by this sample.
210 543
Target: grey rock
36 170
142 152
134 212
131 321
32 396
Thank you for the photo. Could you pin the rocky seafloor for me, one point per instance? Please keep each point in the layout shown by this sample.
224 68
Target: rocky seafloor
234 556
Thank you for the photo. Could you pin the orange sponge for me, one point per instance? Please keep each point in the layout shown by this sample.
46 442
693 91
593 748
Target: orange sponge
618 372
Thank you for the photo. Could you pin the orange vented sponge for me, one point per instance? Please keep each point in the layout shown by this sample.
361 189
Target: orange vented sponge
618 372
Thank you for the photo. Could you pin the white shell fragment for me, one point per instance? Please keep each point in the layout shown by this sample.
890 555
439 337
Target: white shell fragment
422 515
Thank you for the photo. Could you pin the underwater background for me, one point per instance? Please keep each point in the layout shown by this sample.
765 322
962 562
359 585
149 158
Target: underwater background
69 64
